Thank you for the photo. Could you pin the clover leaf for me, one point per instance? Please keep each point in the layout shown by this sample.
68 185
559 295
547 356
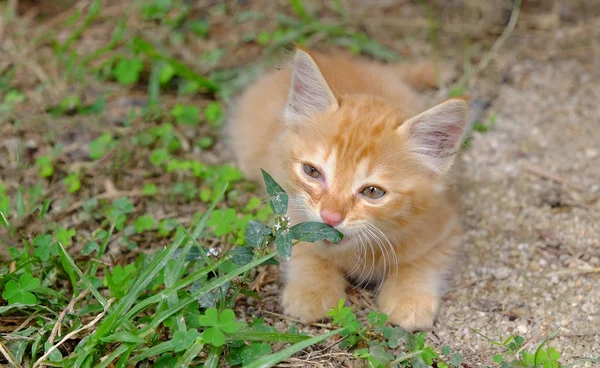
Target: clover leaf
19 291
218 324
182 340
223 221
44 247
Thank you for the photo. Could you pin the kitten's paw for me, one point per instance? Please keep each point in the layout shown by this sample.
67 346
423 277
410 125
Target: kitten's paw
309 303
411 312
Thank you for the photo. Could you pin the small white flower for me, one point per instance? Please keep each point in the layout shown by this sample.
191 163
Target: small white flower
277 226
213 252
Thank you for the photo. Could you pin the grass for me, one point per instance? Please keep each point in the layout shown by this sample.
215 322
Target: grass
97 276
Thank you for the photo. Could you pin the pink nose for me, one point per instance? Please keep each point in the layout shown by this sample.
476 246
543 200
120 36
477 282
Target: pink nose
331 218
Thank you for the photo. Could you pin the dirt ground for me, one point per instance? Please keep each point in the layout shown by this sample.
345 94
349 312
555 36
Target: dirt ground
529 186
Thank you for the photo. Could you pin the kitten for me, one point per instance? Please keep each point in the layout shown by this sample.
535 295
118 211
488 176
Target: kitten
346 140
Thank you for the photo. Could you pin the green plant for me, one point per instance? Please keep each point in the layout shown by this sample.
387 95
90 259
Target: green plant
127 71
20 291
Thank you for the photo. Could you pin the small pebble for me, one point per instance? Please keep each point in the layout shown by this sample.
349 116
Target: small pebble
501 273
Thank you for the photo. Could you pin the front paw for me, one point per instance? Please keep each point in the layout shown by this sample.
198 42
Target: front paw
414 312
309 303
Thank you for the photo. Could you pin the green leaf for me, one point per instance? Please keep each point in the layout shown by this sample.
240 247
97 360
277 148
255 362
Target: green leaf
44 165
278 198
90 247
55 355
445 350
428 355
144 223
124 336
210 317
44 247
315 231
479 127
18 292
159 156
182 340
72 182
283 240
254 351
553 354
213 336
242 255
199 27
127 71
167 72
150 189
64 236
186 114
381 355
456 360
227 321
101 145
496 358
214 114
255 234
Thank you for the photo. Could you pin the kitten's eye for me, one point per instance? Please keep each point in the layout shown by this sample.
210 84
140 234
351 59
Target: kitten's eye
373 192
311 171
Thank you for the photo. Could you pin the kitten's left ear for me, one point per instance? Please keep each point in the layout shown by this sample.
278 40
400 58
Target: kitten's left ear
309 92
435 135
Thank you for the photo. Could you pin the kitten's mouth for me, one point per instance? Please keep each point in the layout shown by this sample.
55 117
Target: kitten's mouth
344 241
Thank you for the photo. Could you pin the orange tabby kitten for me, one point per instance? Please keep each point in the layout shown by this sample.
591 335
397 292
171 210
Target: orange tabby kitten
346 140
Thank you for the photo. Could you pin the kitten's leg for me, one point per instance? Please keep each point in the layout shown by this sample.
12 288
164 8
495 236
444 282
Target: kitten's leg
314 284
411 299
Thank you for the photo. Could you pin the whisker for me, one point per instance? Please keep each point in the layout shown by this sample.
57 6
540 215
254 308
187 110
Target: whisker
391 249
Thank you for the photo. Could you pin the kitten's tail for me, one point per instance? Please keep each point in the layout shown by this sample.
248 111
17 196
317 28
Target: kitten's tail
420 75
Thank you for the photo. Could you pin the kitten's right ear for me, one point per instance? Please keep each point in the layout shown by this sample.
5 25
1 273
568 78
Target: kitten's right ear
436 134
309 92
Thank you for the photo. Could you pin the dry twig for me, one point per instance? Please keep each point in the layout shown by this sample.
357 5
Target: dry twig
71 334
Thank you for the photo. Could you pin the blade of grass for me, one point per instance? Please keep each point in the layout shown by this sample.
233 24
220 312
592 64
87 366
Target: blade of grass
156 350
160 317
148 274
272 359
268 336
180 68
212 360
177 286
94 267
86 281
112 356
116 38
93 12
300 10
186 359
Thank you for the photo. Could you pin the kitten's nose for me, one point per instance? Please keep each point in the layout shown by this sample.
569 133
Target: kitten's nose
331 218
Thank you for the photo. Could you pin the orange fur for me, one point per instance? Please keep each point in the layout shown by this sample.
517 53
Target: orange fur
356 123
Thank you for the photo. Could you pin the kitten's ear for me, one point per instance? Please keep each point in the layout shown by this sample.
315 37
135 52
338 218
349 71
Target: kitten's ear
435 135
309 92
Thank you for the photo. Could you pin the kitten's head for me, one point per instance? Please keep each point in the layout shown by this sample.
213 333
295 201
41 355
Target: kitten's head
358 163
